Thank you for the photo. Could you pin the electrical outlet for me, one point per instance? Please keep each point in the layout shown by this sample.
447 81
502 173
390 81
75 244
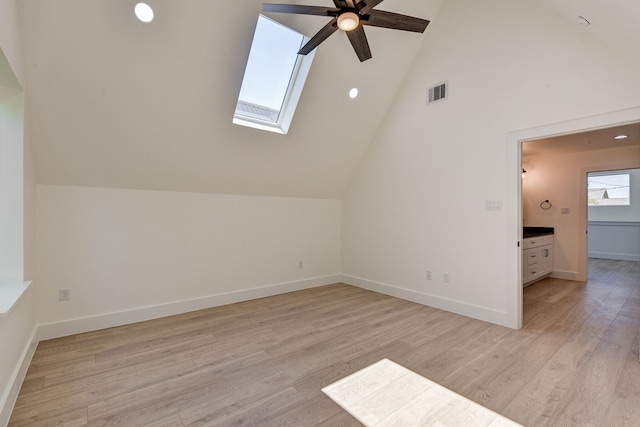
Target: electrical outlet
445 277
64 294
428 275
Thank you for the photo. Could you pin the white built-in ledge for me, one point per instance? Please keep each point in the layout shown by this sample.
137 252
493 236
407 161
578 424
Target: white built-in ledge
10 293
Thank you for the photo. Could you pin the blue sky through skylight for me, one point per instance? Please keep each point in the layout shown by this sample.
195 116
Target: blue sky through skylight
270 65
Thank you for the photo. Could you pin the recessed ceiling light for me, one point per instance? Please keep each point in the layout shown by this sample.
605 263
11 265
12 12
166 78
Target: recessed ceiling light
143 12
353 93
621 137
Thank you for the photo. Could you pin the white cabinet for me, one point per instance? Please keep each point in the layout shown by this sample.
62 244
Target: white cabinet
537 258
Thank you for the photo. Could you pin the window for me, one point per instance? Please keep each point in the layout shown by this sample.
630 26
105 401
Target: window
273 78
12 251
608 188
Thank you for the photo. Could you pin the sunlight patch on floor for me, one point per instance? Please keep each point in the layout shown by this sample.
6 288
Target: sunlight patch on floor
387 394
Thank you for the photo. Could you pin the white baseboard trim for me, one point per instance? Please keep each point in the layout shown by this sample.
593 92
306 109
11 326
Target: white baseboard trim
10 394
108 320
459 307
566 275
608 255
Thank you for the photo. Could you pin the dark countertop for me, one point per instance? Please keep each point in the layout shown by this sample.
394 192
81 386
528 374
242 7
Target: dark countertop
536 231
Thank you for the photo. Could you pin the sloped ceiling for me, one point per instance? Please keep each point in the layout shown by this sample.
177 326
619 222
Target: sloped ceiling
614 21
112 102
7 78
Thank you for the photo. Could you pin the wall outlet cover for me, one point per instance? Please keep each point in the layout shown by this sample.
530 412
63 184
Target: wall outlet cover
64 294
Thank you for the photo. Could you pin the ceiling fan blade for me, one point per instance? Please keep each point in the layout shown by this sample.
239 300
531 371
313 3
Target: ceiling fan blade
359 42
350 4
320 36
395 21
300 9
368 5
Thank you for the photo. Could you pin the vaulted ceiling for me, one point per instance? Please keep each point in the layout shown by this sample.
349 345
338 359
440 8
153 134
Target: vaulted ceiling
118 103
113 102
614 21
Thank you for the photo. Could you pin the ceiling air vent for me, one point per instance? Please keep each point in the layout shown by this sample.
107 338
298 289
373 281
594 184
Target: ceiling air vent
438 92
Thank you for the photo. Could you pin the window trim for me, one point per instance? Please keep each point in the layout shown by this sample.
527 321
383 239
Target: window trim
297 80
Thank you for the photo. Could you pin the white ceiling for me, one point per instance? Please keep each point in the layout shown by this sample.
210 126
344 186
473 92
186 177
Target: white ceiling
613 21
118 103
599 139
7 77
112 102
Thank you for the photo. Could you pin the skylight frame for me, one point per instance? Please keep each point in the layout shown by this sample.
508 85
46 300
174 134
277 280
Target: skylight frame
297 79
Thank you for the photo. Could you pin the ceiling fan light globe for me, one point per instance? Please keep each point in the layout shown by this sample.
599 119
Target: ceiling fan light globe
348 21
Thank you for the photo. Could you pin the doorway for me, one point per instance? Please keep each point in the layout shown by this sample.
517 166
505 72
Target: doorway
557 169
571 205
613 221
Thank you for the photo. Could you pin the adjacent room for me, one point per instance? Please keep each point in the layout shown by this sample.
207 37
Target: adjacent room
186 239
581 187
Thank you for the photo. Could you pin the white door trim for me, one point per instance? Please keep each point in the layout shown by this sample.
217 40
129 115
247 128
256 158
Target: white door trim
514 192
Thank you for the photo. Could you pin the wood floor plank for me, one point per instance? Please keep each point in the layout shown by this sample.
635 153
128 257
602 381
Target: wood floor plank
496 391
172 420
258 412
342 419
68 416
213 406
624 410
68 361
79 391
312 411
631 307
446 363
538 399
592 392
154 400
264 362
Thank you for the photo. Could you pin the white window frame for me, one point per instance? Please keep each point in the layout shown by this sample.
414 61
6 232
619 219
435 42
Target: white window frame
292 96
609 173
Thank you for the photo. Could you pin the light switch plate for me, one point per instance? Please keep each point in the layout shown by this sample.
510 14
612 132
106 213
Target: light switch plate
493 205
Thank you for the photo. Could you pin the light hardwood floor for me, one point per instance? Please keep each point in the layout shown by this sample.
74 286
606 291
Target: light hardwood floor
264 362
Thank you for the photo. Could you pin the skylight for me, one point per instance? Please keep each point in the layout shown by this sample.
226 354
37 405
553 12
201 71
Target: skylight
273 79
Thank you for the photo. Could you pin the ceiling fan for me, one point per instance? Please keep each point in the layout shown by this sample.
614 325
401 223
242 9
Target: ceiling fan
350 16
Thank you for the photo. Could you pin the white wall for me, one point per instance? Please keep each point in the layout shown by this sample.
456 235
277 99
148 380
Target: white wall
560 179
614 240
17 328
129 255
418 200
17 332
